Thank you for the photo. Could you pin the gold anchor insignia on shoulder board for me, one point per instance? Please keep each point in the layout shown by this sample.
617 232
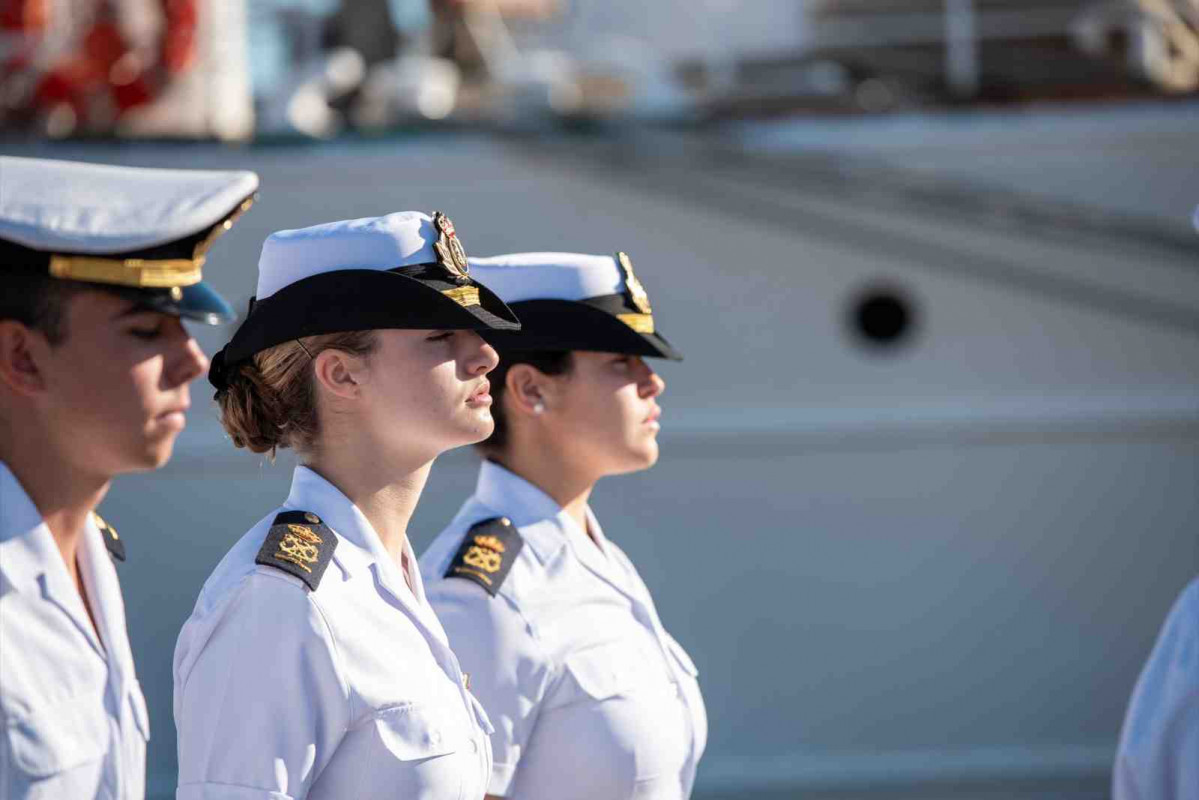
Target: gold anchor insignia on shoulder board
490 542
487 553
112 540
298 546
450 253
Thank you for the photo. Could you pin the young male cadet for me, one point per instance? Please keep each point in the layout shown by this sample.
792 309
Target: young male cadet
1158 754
97 267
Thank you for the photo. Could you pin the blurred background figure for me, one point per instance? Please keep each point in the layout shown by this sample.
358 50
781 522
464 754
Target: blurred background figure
931 469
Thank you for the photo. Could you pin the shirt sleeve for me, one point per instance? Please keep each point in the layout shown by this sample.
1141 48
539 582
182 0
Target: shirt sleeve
1158 755
260 701
508 669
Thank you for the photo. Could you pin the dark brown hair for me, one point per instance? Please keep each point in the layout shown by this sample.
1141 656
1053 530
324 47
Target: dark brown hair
271 399
38 302
549 362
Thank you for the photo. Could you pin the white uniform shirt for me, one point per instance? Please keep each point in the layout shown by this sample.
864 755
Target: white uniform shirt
591 698
348 691
1158 757
74 718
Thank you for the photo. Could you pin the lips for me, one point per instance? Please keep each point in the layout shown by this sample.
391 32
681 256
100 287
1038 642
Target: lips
481 395
179 410
654 415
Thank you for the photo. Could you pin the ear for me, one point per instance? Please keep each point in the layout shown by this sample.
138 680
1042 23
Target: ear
527 389
22 351
340 373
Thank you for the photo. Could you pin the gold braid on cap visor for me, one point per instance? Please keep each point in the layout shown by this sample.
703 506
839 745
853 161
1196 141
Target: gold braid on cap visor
642 323
146 273
465 296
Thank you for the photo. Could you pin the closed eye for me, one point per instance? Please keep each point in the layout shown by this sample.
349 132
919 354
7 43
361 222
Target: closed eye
440 336
147 334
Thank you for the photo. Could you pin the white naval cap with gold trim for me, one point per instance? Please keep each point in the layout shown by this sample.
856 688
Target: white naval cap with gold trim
145 231
573 301
402 270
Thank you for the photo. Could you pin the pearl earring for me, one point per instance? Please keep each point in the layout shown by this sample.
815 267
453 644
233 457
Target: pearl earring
539 407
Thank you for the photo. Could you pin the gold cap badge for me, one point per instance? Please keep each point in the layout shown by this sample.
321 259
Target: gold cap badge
636 291
450 253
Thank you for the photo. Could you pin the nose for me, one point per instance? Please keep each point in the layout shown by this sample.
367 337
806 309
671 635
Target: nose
652 384
186 360
481 357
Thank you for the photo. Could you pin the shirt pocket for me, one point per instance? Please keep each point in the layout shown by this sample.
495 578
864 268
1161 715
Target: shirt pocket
58 737
417 731
611 670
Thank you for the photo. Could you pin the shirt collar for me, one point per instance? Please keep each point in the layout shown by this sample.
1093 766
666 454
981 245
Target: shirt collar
27 550
513 496
311 492
31 561
506 493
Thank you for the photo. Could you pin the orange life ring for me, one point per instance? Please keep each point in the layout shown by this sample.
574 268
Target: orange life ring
105 66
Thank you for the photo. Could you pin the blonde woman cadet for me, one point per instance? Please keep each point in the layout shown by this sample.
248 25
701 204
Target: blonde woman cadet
312 665
590 696
99 266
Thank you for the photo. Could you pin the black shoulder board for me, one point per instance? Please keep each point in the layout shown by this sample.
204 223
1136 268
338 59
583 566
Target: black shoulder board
487 553
299 544
116 547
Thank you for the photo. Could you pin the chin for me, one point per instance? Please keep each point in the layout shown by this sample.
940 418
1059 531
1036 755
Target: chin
478 428
156 454
639 458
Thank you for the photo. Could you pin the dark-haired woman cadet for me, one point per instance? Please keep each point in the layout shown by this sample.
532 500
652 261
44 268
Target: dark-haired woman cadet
312 665
590 696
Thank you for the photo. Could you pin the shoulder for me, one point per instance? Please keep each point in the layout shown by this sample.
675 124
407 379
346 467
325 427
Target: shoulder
1178 642
251 572
485 556
247 608
300 544
1162 721
1171 673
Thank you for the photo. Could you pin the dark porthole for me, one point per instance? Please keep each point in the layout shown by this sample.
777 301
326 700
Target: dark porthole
882 318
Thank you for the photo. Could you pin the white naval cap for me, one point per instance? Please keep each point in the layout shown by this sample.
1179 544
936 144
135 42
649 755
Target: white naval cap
561 276
402 270
402 239
146 230
573 301
68 206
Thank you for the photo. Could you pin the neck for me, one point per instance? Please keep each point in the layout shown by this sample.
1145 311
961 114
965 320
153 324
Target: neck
63 493
553 471
385 492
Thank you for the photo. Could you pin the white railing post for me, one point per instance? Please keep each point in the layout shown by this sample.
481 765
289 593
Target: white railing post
961 48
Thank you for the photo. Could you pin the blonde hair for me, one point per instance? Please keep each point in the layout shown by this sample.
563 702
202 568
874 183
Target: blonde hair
271 399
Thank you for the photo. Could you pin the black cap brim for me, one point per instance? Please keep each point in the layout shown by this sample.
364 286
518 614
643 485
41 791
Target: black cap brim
592 325
363 299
